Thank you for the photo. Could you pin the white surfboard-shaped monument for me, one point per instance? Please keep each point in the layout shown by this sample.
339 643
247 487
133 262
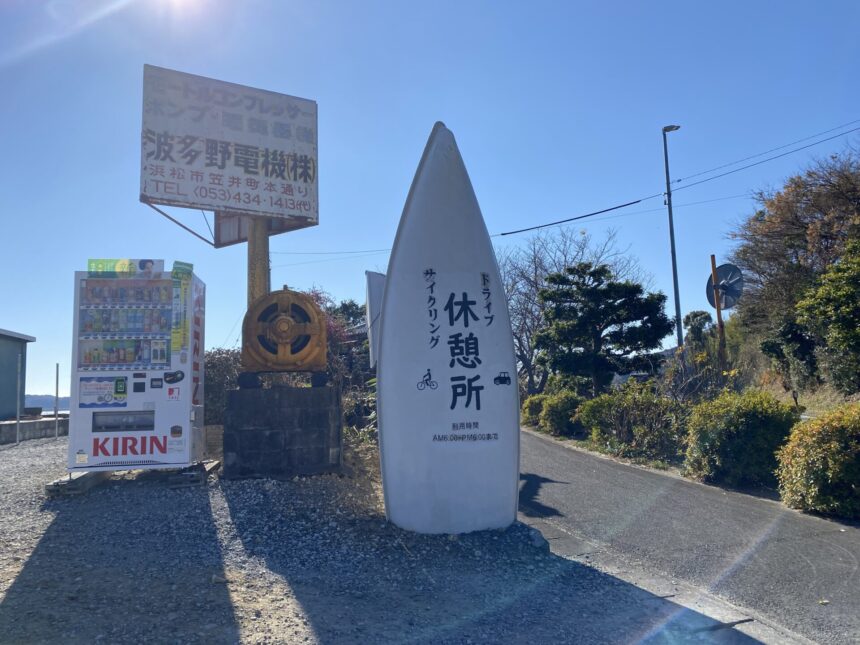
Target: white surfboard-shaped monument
447 397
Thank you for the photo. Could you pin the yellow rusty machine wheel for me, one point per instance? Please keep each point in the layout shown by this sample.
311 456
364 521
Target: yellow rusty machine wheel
284 331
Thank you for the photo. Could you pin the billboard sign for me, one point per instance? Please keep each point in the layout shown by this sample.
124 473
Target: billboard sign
228 148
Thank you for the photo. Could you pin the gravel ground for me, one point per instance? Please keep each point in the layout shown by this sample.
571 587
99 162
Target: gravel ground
309 560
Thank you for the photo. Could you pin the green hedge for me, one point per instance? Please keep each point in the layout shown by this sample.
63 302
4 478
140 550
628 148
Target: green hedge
532 407
634 421
733 438
557 416
819 467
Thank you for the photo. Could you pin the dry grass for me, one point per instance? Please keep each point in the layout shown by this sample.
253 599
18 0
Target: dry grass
816 402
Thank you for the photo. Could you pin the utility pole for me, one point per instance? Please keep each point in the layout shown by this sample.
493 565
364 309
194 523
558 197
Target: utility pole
678 329
721 348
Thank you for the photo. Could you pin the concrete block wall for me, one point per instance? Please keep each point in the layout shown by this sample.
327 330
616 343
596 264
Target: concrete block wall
282 432
32 429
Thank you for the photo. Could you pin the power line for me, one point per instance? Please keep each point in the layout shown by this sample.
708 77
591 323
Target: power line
695 183
733 163
662 210
230 333
352 257
326 252
649 210
578 217
371 252
758 163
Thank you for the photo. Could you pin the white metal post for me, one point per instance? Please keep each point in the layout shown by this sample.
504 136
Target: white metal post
18 404
57 403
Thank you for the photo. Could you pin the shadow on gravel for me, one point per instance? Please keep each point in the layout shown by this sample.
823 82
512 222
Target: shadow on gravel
129 561
528 496
359 579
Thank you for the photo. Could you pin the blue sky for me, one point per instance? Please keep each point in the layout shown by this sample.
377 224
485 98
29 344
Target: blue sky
557 108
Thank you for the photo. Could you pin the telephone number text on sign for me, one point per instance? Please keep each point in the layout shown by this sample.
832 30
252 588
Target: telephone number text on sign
225 192
225 195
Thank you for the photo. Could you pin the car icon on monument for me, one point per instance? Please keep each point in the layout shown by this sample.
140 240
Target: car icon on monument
502 379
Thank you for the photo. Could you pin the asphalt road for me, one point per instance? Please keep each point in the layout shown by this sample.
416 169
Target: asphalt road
797 571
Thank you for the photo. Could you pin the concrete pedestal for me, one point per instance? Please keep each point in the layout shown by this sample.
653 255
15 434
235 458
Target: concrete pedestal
282 432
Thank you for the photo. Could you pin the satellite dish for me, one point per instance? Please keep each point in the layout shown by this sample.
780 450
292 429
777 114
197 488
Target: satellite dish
730 283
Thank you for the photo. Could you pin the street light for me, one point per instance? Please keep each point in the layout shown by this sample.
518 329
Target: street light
678 330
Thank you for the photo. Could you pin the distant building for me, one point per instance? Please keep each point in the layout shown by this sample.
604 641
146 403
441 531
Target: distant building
658 368
12 345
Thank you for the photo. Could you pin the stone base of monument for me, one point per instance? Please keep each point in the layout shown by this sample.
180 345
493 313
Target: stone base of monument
282 432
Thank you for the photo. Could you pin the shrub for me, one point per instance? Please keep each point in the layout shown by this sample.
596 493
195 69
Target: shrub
557 416
532 407
358 408
222 367
359 414
634 421
819 467
733 438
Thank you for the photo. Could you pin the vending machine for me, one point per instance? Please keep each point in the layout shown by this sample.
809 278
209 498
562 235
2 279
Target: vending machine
137 366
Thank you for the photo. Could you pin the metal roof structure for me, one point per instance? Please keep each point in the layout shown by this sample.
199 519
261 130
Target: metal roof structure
17 336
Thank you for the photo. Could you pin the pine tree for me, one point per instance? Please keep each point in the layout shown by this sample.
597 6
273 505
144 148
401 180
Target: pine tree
597 326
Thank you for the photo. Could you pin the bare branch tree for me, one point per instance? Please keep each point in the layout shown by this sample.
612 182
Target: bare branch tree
524 270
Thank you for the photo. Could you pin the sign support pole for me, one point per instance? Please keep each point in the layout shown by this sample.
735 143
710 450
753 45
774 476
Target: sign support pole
721 350
258 259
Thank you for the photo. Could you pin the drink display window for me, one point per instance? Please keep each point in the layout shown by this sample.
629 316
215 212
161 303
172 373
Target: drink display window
124 324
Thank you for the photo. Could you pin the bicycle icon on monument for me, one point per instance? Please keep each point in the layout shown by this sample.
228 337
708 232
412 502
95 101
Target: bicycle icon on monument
427 381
